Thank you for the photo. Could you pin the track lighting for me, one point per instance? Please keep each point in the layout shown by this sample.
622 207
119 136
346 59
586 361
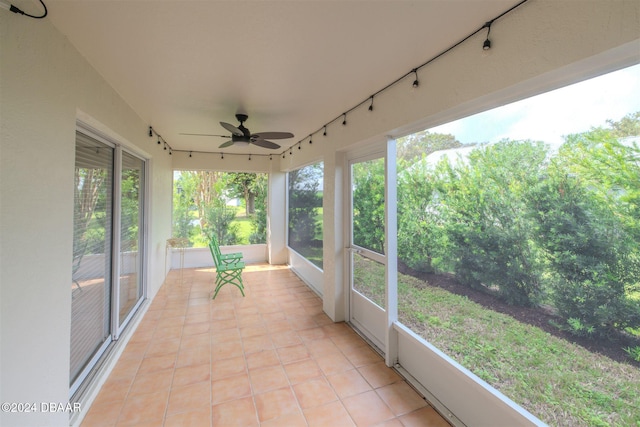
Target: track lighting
416 83
344 120
190 154
283 156
310 140
222 156
487 43
325 130
290 152
150 131
270 157
158 140
371 105
249 157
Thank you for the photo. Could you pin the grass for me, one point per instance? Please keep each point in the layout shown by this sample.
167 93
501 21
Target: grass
559 382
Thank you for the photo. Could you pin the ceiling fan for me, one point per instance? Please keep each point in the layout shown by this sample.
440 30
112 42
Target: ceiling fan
240 135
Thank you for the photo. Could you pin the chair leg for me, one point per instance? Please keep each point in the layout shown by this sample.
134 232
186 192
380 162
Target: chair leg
225 277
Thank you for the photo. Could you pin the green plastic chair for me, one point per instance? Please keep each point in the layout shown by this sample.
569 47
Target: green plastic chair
227 272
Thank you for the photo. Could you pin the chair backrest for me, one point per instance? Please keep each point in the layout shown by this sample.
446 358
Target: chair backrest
215 250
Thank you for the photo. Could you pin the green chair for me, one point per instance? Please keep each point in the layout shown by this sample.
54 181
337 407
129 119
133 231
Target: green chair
229 272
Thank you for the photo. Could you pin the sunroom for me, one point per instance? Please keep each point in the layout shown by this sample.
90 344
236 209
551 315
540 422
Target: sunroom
138 91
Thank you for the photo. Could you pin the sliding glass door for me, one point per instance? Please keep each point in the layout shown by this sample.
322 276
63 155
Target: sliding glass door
107 274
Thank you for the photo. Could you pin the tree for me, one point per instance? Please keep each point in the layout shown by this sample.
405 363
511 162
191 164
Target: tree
245 185
487 223
588 215
421 144
368 205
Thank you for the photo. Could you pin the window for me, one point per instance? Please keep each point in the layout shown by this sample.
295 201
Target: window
233 206
106 290
520 248
305 212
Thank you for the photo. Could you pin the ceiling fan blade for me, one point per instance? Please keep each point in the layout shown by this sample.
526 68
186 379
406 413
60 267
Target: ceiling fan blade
204 134
231 128
264 143
226 144
273 135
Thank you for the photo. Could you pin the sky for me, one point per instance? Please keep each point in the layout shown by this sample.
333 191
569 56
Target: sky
550 116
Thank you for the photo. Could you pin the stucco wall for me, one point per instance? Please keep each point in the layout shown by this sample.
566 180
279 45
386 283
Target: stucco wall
45 86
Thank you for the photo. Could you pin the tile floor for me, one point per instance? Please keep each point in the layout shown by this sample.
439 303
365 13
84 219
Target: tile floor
272 358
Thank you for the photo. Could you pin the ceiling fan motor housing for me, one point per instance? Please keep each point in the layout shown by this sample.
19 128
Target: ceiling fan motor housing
247 134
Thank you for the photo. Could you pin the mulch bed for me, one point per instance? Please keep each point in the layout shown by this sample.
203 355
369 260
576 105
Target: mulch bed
612 347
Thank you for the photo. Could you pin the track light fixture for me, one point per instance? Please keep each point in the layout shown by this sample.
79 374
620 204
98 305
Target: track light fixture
310 140
371 105
222 156
487 43
325 130
249 157
158 140
150 131
270 157
416 83
190 154
344 119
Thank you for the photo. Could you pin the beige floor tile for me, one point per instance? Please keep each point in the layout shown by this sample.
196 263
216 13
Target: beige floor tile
329 415
314 393
189 419
401 398
424 417
379 375
265 379
276 403
239 412
302 371
262 359
293 353
230 388
152 382
228 367
348 383
189 398
147 407
367 409
191 374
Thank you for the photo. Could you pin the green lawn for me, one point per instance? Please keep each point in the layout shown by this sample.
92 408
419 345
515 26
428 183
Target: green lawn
561 383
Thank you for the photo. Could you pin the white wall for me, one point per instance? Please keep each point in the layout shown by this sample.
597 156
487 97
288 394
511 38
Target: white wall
45 86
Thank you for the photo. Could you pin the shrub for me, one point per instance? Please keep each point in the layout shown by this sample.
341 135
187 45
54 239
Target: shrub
591 256
489 230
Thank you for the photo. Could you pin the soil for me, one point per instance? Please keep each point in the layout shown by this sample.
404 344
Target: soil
541 317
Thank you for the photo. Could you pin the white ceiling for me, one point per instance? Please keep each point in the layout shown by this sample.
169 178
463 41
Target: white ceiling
292 66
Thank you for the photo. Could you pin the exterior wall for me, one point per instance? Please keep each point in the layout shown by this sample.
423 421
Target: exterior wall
45 86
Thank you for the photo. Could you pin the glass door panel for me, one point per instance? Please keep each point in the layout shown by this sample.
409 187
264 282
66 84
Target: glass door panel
91 268
131 210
